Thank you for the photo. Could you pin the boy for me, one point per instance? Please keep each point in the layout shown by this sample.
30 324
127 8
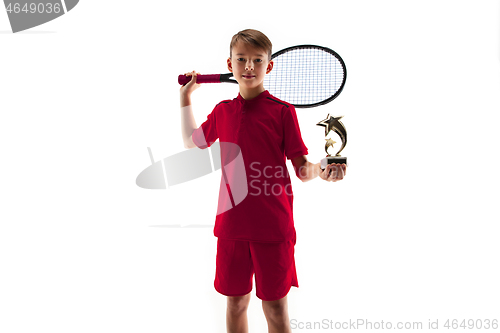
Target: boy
257 234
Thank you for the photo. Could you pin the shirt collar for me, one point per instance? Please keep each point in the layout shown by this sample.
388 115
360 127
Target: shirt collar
262 95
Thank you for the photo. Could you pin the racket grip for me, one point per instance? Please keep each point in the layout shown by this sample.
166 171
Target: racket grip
208 78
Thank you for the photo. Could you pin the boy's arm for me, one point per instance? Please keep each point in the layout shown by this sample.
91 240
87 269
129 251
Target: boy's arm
188 124
307 171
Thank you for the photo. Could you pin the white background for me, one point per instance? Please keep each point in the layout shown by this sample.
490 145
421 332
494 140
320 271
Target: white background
411 233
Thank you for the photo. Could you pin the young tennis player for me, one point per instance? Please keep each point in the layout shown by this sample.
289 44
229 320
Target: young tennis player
256 235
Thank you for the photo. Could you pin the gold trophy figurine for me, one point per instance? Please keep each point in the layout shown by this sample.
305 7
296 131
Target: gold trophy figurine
333 124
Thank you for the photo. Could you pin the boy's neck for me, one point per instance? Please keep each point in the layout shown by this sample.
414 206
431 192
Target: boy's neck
252 93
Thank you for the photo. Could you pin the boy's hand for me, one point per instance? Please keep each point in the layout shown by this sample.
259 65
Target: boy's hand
191 86
334 172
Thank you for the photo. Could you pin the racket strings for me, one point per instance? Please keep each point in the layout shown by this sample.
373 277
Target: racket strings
305 76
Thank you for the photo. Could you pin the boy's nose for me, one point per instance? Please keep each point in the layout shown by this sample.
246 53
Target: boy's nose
249 66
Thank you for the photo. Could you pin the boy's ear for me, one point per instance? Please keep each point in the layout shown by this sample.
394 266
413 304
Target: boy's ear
269 67
229 65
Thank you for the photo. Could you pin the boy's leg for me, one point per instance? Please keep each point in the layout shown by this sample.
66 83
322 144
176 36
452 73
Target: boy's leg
277 315
234 276
236 314
275 274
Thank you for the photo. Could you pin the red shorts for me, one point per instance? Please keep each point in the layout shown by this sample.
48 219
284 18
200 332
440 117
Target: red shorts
272 263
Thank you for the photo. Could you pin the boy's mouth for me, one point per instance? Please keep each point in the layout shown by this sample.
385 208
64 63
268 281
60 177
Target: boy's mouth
248 76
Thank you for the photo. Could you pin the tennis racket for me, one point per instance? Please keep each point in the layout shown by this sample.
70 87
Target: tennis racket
304 75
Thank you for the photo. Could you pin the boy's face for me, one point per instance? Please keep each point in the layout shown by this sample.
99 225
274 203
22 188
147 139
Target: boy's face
249 66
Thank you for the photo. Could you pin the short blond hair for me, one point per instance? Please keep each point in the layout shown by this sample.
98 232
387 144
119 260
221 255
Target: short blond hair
254 38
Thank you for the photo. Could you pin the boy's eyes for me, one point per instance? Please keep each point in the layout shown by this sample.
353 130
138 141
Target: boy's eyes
256 60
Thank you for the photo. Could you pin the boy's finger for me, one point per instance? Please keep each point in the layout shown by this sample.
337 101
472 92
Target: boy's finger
326 172
332 172
341 173
191 73
192 80
193 76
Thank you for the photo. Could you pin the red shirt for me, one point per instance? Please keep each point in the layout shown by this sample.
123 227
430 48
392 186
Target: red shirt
256 136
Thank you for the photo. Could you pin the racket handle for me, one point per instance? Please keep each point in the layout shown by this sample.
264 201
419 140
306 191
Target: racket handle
210 78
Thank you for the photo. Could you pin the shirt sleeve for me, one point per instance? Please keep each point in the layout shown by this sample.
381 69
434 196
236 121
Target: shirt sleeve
294 146
205 135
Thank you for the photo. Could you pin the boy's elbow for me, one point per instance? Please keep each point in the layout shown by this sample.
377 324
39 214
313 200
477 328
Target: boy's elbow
302 178
189 143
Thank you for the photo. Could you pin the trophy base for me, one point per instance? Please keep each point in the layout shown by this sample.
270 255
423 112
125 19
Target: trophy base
333 159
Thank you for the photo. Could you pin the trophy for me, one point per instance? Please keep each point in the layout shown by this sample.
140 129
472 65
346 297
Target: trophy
333 124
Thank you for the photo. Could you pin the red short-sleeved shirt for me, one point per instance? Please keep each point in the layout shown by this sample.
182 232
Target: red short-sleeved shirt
256 136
